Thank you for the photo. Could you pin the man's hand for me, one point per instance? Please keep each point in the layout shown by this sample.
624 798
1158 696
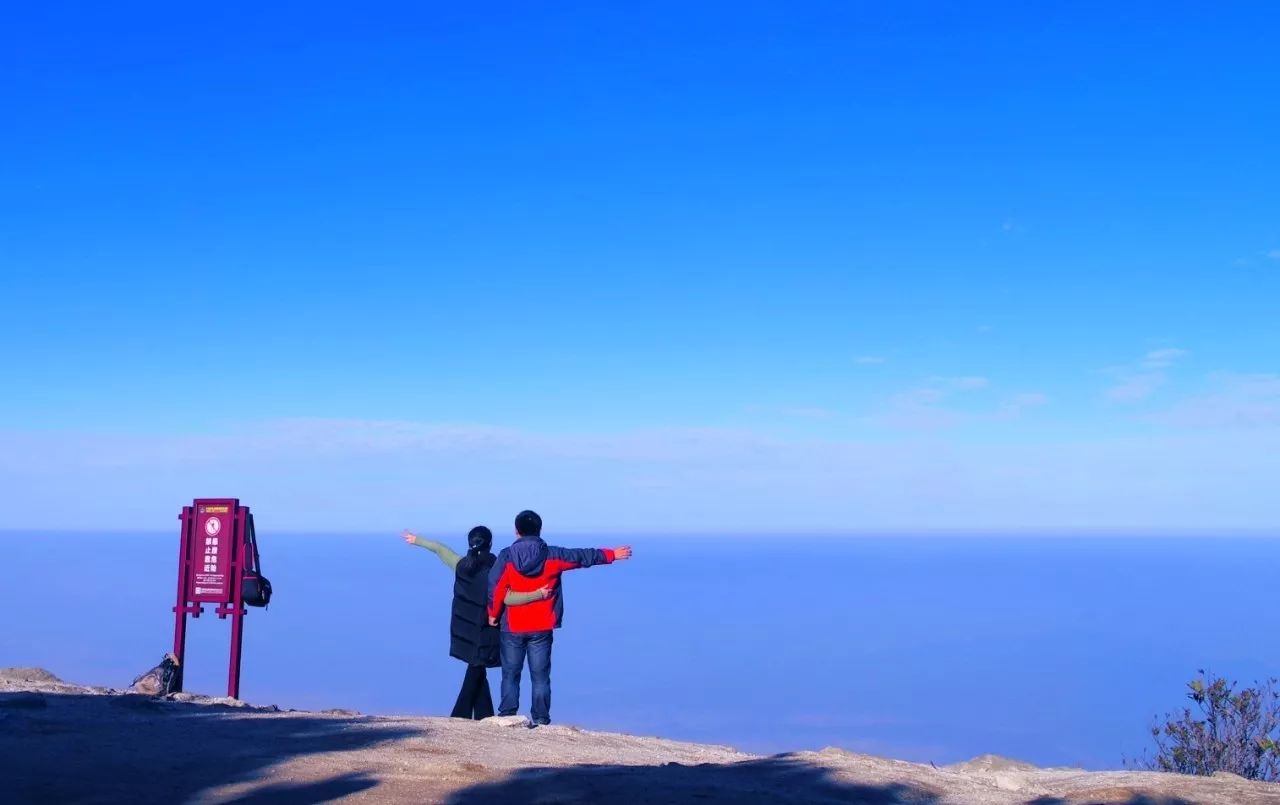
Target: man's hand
409 537
621 554
493 621
545 591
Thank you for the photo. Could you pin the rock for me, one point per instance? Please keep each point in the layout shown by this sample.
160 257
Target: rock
181 697
159 680
23 701
563 729
25 674
337 711
837 752
413 759
992 763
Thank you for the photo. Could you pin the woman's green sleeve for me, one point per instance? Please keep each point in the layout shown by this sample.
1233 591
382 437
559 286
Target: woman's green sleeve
446 554
515 599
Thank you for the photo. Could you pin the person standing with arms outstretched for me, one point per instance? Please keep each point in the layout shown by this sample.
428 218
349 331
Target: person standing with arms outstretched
528 631
472 638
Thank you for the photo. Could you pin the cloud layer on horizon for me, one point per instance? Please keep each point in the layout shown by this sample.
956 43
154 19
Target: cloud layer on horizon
334 474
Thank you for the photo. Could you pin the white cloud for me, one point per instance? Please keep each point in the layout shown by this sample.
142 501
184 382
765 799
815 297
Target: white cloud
922 408
319 440
966 383
796 411
1136 388
1163 358
1141 380
1235 401
1019 404
809 412
868 360
374 476
1274 254
928 406
912 413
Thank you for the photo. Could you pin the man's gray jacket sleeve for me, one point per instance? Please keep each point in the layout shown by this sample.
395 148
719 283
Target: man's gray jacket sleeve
583 557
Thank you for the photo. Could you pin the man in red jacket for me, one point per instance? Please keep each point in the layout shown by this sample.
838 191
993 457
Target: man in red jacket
528 565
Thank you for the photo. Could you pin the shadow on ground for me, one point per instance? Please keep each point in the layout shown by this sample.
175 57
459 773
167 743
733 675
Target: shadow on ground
76 748
307 793
109 749
1138 799
781 779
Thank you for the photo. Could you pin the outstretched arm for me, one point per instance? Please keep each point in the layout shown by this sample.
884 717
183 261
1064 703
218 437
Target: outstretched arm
446 554
587 557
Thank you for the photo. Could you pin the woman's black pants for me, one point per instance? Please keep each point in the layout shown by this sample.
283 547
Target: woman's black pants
474 700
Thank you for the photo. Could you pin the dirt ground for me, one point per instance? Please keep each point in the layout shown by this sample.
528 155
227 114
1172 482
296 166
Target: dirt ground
67 743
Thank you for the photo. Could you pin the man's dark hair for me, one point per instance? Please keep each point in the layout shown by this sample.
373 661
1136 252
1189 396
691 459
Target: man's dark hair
528 524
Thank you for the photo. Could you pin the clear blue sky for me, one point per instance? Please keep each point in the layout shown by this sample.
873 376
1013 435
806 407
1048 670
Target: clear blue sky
711 266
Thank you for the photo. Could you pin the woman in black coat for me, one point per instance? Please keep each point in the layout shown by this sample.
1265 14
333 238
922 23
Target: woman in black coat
471 638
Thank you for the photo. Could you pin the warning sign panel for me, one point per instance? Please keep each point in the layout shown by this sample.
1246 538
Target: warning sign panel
211 551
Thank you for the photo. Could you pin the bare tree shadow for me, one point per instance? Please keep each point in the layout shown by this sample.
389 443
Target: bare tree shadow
74 748
308 793
781 779
1141 799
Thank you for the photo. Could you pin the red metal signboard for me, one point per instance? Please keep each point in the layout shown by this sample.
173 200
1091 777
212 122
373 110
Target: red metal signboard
214 537
217 546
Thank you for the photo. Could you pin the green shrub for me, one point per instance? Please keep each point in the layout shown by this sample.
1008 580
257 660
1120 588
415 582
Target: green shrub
1227 730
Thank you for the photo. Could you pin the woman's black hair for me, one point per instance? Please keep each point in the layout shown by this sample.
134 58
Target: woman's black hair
479 541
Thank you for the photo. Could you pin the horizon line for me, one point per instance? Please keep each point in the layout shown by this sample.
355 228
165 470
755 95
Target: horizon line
1207 532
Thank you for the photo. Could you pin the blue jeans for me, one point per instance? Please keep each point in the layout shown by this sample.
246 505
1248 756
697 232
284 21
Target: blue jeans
537 647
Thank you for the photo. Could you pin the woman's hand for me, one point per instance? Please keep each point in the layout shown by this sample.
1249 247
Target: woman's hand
493 621
409 537
545 591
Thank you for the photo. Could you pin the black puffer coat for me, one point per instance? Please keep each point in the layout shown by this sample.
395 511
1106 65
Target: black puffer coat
472 639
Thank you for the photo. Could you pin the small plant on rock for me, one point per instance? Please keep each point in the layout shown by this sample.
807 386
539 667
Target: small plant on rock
1227 730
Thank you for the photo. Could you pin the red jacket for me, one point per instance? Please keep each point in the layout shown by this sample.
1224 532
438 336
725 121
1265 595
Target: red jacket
536 616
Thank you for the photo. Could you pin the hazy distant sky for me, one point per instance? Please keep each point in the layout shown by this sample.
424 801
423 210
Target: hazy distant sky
683 266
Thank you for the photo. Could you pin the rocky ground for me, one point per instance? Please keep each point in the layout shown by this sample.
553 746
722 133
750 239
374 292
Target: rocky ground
67 743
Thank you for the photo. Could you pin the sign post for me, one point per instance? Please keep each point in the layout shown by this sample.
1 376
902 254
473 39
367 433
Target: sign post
217 547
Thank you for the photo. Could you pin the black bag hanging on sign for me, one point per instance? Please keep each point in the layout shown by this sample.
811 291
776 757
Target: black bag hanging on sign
255 589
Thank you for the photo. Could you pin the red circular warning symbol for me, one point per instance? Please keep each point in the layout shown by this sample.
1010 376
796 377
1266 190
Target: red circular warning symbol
212 526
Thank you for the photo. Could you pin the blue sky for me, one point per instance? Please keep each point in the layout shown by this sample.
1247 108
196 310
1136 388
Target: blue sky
735 266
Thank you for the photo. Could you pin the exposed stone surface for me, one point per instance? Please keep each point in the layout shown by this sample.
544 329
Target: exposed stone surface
91 744
32 675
